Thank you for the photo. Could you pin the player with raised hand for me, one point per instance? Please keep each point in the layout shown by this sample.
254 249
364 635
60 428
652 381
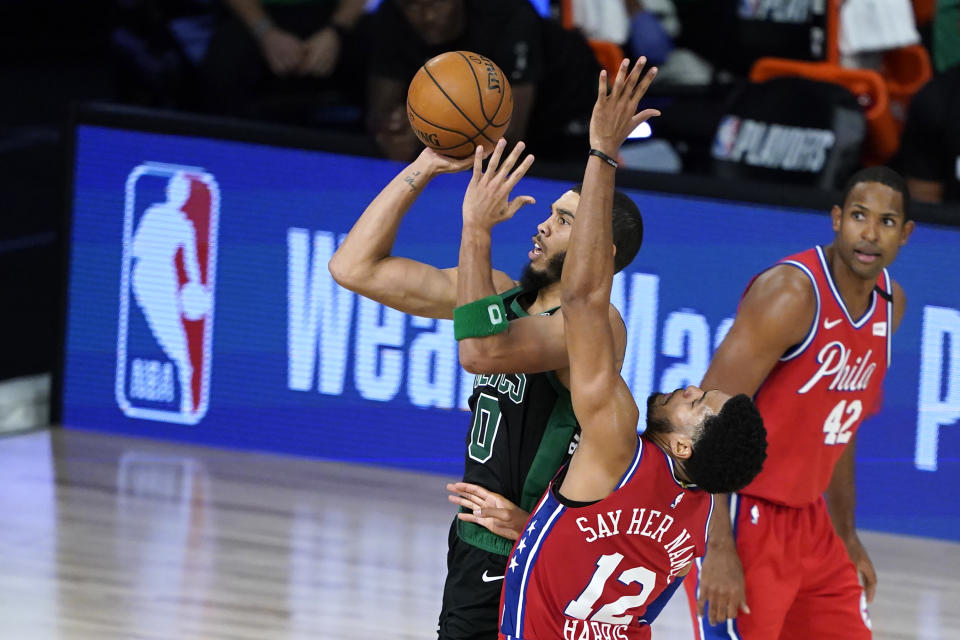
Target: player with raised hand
621 524
522 423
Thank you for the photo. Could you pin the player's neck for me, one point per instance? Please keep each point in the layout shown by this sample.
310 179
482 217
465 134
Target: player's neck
854 289
547 298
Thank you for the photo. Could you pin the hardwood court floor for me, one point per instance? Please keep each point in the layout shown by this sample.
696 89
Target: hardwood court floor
105 537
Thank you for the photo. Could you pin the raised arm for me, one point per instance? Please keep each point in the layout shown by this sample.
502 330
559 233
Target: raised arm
602 401
364 263
485 204
528 345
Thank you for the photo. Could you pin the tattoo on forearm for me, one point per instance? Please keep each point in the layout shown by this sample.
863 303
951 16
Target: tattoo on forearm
411 180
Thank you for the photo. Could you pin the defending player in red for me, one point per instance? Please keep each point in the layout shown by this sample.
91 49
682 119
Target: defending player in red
811 342
618 527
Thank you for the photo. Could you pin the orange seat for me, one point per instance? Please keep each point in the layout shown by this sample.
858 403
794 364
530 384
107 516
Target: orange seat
566 14
609 55
885 95
869 87
905 70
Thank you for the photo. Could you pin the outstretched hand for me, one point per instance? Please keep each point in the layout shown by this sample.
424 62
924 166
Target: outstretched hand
488 509
486 200
615 112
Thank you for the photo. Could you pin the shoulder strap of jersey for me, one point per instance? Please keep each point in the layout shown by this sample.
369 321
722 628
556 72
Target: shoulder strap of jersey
803 261
884 289
812 331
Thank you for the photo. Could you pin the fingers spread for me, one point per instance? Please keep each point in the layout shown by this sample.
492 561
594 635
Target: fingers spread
621 78
642 117
494 161
512 158
468 517
634 76
517 203
478 162
464 502
520 172
468 488
643 85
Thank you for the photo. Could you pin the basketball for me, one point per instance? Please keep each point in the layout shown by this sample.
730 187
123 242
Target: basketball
194 301
458 101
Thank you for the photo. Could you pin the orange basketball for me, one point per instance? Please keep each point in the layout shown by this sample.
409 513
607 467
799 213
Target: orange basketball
457 101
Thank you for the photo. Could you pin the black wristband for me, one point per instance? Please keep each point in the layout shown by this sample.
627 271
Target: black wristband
600 154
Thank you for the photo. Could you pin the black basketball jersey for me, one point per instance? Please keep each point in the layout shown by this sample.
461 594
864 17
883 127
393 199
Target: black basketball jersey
520 433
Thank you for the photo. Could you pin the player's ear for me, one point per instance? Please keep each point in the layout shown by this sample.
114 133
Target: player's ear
908 227
681 446
836 213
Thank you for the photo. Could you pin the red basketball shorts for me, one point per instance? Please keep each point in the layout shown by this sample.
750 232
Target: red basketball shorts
800 581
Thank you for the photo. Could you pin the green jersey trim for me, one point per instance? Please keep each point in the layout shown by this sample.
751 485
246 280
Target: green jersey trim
483 538
554 445
517 308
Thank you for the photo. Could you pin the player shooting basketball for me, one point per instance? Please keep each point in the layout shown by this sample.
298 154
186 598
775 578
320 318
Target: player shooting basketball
522 422
618 527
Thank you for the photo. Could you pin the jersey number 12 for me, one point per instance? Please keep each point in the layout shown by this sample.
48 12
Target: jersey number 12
612 612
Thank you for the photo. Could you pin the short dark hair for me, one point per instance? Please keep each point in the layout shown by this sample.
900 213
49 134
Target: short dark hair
730 448
627 228
883 175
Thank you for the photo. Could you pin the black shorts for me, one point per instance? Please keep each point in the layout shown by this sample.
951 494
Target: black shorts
471 593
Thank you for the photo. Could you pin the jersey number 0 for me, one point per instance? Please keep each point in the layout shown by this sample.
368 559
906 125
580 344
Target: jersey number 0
483 431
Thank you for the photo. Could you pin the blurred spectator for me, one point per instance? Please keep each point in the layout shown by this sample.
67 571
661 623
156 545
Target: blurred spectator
733 34
159 44
607 20
266 51
946 34
648 34
551 70
930 146
654 29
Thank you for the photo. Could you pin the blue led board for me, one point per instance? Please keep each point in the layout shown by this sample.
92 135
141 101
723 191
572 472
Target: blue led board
200 309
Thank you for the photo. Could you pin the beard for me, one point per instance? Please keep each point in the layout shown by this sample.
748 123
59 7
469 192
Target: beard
533 280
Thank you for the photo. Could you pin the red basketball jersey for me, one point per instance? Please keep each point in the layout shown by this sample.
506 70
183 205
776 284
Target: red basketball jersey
594 571
814 399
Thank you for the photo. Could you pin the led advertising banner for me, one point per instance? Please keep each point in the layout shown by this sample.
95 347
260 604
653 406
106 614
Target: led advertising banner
201 309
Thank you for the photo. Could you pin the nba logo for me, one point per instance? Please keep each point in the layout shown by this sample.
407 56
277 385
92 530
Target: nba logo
726 137
167 293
